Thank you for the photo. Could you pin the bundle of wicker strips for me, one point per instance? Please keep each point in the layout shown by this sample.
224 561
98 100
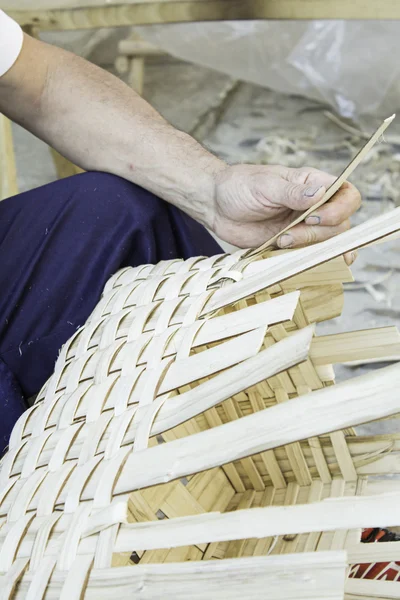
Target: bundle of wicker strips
183 447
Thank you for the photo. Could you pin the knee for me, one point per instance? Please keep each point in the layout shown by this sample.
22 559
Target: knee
114 192
108 196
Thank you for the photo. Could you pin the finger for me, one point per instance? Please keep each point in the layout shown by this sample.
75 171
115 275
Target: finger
350 257
343 204
305 235
309 176
282 193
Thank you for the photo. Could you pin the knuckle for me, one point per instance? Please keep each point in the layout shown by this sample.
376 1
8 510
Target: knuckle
310 172
311 236
278 170
299 176
344 226
358 198
333 218
293 193
354 195
337 213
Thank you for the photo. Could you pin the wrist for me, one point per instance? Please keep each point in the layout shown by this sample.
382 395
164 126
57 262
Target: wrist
196 176
203 199
186 174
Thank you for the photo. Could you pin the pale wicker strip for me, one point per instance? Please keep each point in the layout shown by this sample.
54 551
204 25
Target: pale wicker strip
191 435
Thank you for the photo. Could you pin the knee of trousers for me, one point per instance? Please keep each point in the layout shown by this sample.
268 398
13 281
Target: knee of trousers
108 197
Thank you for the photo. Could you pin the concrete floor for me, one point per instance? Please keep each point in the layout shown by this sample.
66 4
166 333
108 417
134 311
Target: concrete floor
258 125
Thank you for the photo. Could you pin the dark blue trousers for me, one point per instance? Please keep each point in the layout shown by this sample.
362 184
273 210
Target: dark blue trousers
59 245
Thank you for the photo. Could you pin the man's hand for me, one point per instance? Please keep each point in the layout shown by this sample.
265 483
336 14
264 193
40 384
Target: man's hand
100 124
253 203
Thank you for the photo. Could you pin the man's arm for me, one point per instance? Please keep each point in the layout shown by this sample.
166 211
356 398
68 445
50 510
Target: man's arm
99 123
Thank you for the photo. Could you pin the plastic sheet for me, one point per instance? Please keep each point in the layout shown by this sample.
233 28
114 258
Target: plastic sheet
351 65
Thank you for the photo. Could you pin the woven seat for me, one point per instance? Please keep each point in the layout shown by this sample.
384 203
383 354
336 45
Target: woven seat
183 446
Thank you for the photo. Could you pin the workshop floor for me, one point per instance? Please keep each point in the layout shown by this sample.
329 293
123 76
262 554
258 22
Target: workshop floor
242 122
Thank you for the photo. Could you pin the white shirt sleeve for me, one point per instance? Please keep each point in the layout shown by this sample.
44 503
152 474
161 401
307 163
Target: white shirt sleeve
11 38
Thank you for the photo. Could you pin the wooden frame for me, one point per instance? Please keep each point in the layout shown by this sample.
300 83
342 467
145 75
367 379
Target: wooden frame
147 12
8 172
130 62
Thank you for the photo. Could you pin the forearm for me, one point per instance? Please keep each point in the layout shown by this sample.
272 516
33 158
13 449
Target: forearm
99 123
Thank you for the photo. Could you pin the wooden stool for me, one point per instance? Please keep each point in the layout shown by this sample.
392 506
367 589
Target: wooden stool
131 60
8 171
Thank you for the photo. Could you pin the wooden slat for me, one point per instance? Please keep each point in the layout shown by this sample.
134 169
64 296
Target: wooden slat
364 589
185 406
294 451
374 396
8 171
280 543
135 12
316 450
332 272
343 456
315 495
329 515
285 577
322 303
235 548
213 420
268 458
263 545
262 274
355 345
365 553
248 465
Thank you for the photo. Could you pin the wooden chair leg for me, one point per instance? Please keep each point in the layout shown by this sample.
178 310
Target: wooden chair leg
136 74
133 66
131 60
64 167
8 170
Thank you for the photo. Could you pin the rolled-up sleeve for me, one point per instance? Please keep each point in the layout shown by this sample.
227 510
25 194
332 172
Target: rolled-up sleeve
11 38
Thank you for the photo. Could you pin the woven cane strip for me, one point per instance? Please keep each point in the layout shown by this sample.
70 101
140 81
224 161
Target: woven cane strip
122 435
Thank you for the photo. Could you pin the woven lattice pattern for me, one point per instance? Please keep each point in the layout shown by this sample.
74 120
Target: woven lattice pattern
196 393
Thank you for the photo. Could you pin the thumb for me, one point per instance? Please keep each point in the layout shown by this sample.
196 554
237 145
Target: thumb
299 196
289 194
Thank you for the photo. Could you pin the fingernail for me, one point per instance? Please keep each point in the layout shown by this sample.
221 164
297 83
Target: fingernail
350 259
285 240
312 191
313 220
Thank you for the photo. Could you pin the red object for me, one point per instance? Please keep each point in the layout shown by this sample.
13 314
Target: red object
389 571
